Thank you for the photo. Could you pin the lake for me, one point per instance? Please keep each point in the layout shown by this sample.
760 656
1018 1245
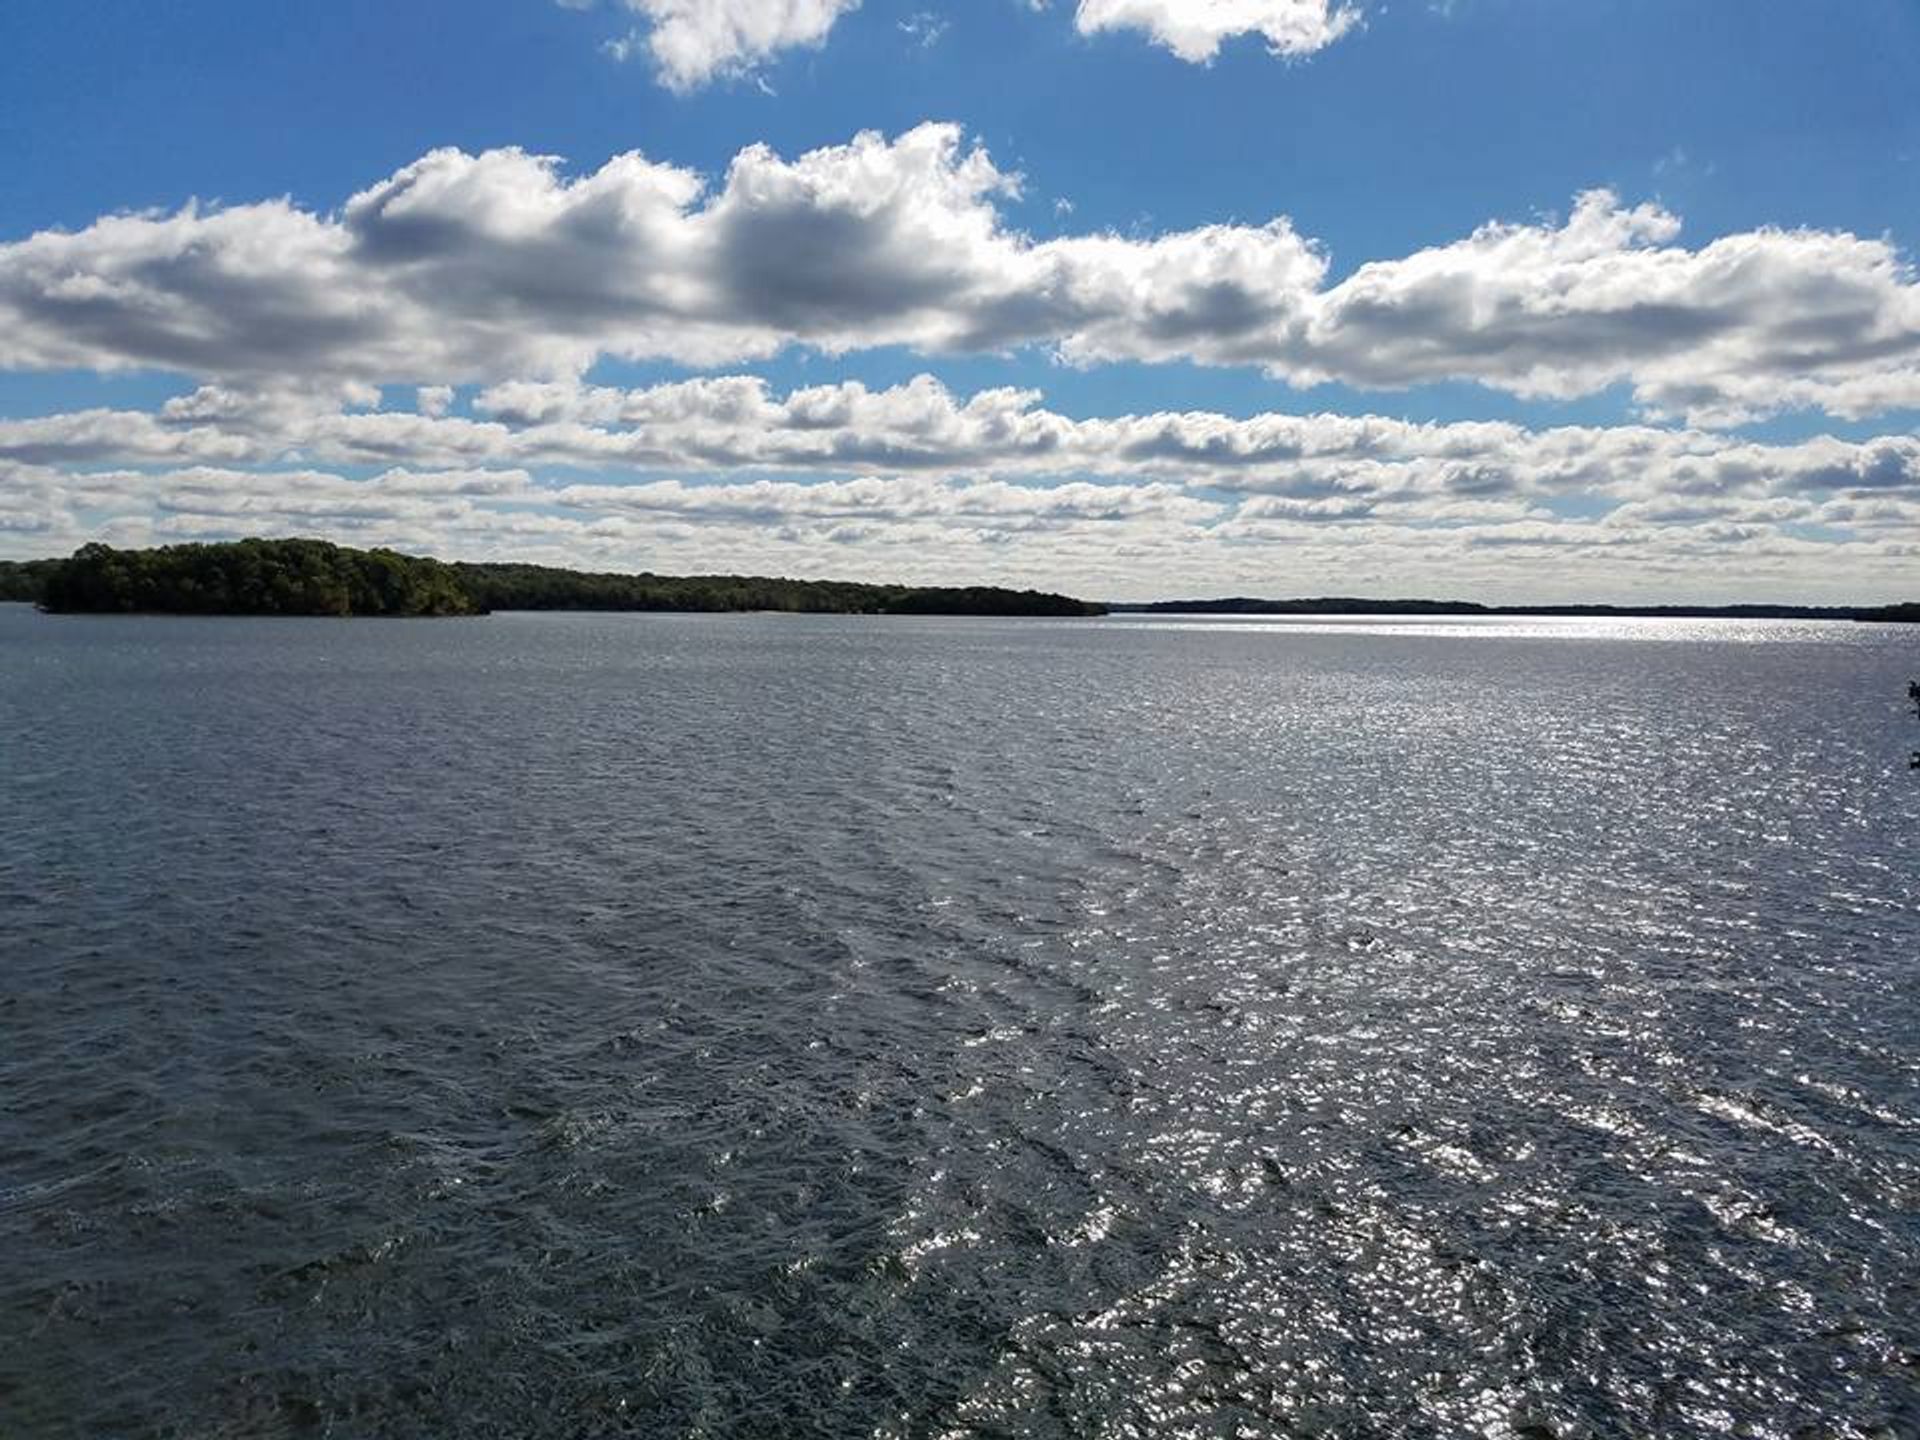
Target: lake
675 1026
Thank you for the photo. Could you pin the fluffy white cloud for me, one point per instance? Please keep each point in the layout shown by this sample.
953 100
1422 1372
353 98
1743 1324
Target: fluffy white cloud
722 426
1195 29
694 42
1750 323
463 268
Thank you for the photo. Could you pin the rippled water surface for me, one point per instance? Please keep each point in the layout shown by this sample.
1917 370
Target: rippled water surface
581 1026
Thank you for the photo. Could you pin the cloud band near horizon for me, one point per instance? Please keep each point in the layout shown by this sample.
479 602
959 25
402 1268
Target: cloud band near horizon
916 482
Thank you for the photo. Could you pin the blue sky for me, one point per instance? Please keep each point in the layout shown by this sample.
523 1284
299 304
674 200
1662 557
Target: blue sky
1766 394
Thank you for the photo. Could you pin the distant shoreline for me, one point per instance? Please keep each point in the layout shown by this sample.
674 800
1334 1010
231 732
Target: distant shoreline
1908 613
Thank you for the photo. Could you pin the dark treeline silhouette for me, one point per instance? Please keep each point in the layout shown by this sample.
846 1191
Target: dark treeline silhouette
253 577
541 587
25 579
1330 605
313 577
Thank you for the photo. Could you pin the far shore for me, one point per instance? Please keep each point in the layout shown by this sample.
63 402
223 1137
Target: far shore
316 578
1907 613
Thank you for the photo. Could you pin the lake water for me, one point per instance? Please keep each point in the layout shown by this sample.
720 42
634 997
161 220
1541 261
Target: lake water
669 1026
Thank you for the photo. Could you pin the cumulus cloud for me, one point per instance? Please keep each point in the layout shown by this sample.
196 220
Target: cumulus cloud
463 267
1195 29
1747 324
694 42
725 425
494 267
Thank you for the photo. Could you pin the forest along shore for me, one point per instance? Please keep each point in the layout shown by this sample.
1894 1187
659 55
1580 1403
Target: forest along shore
315 577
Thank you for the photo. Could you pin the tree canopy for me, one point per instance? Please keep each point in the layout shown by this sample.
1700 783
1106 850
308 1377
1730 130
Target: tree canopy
254 577
539 587
25 579
314 577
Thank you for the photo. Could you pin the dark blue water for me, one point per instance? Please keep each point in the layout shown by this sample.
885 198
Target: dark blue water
790 1027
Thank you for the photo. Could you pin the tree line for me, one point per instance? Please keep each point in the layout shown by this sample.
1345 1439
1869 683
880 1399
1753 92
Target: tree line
315 577
25 580
541 587
253 577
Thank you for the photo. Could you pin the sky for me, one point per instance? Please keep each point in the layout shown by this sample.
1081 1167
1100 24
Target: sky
1503 300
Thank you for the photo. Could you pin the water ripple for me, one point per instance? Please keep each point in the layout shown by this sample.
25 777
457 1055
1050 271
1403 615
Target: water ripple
771 1026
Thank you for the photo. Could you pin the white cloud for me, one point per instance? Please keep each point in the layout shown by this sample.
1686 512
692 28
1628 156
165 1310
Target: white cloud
1748 324
473 268
723 426
694 42
1194 30
924 29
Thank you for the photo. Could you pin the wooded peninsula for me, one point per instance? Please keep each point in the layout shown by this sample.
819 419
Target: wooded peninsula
314 577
